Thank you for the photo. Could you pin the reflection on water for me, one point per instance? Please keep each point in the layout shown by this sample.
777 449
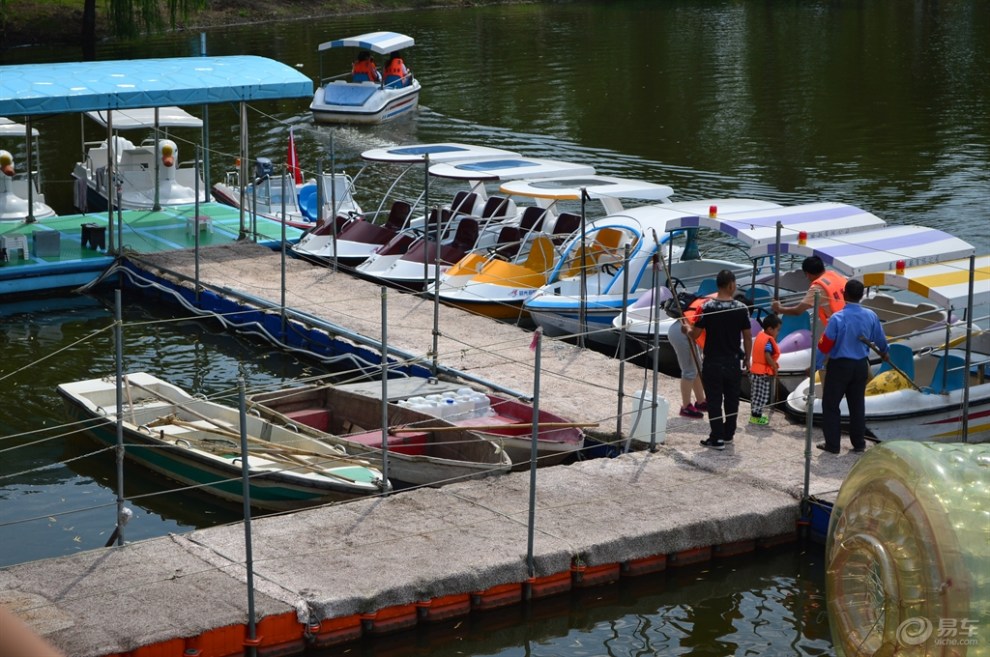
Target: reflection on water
741 606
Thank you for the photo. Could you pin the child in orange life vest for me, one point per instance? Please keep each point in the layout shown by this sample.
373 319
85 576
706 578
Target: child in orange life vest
763 369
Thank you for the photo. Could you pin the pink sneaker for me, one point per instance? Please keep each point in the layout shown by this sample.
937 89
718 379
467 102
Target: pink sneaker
691 411
701 406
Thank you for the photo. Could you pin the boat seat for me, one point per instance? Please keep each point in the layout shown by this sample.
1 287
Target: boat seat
466 235
464 202
393 81
360 77
758 297
307 202
398 215
567 224
496 206
316 418
706 287
508 242
901 356
14 244
541 255
952 368
532 218
793 323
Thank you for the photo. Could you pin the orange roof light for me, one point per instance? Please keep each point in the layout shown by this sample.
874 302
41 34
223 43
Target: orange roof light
803 238
712 211
900 267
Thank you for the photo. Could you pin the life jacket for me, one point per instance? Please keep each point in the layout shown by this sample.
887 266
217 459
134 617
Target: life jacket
832 286
396 67
367 68
693 310
759 364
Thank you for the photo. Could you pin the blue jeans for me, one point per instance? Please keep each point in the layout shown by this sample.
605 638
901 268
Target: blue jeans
722 381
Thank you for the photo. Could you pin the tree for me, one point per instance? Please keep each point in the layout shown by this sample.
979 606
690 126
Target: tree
130 18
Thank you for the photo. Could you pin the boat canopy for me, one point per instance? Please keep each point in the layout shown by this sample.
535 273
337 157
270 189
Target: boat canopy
878 250
55 88
945 283
378 42
144 117
441 152
759 227
569 188
511 168
9 128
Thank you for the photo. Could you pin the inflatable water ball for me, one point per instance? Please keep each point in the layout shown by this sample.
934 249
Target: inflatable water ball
908 553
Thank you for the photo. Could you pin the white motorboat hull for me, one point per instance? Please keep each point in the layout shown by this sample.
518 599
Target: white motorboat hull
365 103
898 411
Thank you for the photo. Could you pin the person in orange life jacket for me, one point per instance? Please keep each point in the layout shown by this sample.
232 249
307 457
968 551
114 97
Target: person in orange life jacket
689 362
365 65
395 69
725 322
828 283
848 368
764 368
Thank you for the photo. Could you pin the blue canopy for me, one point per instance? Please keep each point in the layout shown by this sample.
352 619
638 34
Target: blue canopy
379 42
30 89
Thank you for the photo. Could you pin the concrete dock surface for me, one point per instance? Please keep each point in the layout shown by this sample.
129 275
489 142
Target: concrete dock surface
357 559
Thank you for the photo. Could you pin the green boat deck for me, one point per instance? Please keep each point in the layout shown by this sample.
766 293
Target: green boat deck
57 256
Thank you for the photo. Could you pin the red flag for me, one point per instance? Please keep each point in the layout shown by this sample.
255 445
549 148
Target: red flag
292 161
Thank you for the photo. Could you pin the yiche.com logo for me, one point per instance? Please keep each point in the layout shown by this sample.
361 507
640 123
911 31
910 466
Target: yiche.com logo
914 631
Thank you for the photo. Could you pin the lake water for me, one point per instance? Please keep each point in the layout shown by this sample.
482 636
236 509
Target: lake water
883 105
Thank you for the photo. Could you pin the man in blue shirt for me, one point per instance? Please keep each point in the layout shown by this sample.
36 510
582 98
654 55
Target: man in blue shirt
845 358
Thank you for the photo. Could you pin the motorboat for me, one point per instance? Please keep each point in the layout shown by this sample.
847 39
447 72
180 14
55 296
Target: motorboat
422 449
929 395
349 241
196 442
893 262
413 264
302 202
21 198
506 420
145 176
752 232
497 280
593 281
354 98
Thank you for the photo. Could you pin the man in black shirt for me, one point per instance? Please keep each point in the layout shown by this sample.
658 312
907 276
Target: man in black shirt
725 323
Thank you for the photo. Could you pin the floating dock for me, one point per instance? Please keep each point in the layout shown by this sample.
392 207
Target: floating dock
332 574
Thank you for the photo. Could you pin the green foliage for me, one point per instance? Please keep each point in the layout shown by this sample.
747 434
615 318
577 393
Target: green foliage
130 18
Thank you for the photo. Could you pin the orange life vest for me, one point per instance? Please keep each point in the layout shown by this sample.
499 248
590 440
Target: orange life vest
759 365
366 67
397 68
693 310
832 286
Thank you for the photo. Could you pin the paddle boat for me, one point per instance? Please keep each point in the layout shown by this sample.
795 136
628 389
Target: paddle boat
148 175
302 202
503 419
196 442
423 450
20 193
356 98
902 302
919 395
352 240
413 264
591 282
495 281
695 276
